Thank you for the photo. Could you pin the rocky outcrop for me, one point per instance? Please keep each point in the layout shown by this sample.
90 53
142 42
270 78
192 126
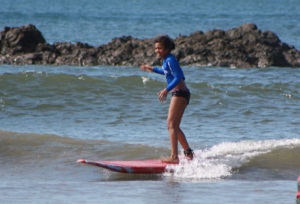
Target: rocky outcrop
244 46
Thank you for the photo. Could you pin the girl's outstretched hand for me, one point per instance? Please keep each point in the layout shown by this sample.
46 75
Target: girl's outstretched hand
146 68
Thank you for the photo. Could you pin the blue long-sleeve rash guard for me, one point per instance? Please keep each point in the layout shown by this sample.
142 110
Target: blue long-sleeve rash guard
172 70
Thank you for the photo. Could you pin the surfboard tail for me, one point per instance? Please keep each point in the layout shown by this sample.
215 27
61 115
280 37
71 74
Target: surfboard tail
298 193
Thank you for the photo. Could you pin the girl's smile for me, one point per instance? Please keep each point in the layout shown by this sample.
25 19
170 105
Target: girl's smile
160 50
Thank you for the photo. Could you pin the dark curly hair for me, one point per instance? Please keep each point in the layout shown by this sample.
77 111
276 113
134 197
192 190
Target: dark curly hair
166 41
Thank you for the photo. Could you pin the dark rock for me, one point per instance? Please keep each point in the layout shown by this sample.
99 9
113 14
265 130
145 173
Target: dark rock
20 40
244 46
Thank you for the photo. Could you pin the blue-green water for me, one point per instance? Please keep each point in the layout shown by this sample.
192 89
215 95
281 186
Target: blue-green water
99 21
242 123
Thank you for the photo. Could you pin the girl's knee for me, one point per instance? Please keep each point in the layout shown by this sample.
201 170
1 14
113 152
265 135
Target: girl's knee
172 125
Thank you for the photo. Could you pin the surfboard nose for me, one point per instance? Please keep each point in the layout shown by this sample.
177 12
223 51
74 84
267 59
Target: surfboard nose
81 161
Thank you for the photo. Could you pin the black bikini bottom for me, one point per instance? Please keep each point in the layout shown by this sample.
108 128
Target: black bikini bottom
182 93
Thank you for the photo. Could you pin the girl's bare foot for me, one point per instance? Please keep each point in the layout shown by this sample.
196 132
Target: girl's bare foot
170 160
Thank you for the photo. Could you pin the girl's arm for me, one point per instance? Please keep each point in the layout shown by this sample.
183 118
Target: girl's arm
158 70
173 84
148 68
177 74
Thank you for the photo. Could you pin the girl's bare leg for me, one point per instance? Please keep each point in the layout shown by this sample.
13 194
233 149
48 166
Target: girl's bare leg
176 110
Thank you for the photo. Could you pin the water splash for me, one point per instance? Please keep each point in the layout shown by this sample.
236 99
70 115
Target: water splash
145 79
220 160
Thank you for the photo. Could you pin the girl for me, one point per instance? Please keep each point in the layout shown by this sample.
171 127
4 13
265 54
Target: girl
180 95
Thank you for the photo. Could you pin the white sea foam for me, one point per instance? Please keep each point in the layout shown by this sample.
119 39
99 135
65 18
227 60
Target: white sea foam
145 79
220 160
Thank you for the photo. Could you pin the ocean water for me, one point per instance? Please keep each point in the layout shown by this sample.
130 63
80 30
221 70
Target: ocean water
100 21
242 123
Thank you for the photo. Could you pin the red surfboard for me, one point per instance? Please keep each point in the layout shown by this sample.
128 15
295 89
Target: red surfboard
298 193
132 167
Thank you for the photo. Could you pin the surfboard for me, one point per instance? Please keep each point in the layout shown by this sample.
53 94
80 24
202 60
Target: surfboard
132 167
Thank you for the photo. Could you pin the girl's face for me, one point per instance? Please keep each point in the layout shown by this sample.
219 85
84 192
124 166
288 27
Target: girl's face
160 50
